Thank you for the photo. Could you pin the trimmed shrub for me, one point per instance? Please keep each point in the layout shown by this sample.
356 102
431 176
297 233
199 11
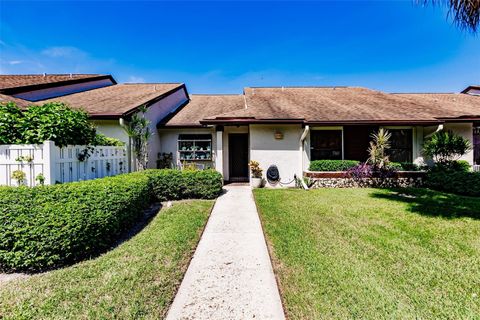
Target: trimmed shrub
404 166
454 181
332 165
47 227
204 184
166 184
171 184
50 226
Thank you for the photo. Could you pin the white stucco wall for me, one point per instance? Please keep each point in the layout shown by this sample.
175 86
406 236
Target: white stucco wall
284 153
169 141
474 91
111 128
154 114
463 129
466 131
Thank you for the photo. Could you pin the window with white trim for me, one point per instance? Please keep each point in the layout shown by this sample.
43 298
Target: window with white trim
195 147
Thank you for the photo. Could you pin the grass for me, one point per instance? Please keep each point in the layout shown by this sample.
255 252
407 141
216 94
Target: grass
374 254
138 279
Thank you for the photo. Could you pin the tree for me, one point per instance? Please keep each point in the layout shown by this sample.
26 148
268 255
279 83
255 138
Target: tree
52 121
10 116
378 149
139 133
444 146
465 13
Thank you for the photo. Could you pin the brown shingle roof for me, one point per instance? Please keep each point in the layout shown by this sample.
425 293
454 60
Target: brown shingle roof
19 102
448 105
117 100
25 80
203 106
345 105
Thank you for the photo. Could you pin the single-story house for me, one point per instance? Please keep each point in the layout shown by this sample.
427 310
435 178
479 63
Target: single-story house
283 126
109 104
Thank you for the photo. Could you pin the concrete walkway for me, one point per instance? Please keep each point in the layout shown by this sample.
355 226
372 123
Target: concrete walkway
230 275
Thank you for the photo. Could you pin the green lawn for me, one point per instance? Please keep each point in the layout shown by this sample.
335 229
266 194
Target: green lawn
138 279
373 254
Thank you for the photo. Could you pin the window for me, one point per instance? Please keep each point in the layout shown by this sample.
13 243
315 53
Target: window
193 147
401 145
326 144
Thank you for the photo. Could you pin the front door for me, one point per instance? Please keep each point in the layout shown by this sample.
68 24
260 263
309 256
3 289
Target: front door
238 156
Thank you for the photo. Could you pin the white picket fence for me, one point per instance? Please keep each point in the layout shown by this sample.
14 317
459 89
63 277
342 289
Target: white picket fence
476 168
59 165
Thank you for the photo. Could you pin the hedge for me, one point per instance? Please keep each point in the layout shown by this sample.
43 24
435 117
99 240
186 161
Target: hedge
454 181
47 227
170 184
404 166
332 165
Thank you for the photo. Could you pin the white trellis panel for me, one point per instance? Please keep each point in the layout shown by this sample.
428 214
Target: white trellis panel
60 165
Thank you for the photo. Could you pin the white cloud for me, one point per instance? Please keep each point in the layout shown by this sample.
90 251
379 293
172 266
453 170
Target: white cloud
135 79
17 59
63 52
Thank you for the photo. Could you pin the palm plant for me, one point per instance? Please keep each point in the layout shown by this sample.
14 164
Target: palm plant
139 133
378 149
465 13
445 146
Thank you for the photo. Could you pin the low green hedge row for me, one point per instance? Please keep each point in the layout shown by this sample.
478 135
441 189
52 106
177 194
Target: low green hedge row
170 184
345 165
332 165
404 166
454 181
46 227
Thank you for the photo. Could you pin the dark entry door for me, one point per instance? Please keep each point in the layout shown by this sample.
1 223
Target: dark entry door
238 156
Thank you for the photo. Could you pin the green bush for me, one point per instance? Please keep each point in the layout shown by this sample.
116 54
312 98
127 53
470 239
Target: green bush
454 181
51 121
404 166
332 165
202 184
46 227
10 116
50 226
102 140
446 146
171 184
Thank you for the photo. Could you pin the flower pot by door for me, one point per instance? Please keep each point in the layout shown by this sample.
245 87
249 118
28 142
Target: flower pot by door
256 182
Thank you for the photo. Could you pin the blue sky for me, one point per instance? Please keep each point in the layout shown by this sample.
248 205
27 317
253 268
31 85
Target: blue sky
223 46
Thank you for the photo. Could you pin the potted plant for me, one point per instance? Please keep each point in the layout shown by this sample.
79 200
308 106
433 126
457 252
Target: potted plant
256 174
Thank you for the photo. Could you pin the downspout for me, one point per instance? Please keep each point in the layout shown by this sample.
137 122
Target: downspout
440 128
302 149
121 121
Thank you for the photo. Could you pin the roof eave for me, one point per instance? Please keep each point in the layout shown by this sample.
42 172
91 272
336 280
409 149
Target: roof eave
148 103
32 87
242 121
372 122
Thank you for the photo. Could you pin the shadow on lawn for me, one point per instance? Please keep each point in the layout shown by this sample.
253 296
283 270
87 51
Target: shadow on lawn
432 203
